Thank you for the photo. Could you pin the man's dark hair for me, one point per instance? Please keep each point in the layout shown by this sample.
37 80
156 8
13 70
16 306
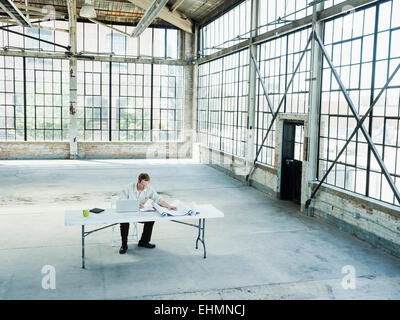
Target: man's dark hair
144 176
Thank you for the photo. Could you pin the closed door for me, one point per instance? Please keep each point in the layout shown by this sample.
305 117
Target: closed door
292 155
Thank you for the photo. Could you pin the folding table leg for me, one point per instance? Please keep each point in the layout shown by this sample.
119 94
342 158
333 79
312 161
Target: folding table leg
200 236
202 240
83 247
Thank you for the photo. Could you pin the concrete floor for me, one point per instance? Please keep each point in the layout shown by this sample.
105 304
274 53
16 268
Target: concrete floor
262 249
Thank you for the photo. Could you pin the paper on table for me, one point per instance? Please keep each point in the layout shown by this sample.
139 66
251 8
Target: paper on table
181 209
147 208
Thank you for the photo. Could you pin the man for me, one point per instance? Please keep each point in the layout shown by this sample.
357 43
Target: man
140 191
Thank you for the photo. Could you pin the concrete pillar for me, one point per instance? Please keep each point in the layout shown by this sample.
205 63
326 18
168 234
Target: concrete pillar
314 110
195 145
189 88
250 154
73 132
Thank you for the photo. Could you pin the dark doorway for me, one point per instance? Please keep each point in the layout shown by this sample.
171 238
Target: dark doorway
292 156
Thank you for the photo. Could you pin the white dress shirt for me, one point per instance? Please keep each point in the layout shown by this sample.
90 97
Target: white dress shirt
130 192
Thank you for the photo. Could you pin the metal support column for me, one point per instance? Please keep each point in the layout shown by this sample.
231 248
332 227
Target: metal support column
252 86
72 80
83 247
312 141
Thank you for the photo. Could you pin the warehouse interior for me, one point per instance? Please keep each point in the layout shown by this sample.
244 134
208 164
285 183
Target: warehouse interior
284 115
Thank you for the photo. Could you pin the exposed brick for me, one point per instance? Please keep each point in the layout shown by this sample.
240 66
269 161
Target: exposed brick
61 150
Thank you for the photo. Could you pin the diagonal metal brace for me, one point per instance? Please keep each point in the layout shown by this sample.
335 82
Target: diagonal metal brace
308 202
280 104
263 84
360 125
67 48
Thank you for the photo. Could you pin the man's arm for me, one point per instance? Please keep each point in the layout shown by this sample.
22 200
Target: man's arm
166 205
157 199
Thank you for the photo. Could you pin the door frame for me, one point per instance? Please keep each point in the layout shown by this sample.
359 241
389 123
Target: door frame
280 119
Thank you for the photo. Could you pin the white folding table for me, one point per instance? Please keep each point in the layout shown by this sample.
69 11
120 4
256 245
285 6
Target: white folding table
110 217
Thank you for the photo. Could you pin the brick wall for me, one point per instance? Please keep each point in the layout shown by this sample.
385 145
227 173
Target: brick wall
367 219
263 178
95 150
34 150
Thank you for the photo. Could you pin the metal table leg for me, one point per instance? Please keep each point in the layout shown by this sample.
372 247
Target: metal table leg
83 247
200 236
85 234
202 239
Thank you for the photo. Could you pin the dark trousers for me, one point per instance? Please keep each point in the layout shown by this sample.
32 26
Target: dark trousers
146 234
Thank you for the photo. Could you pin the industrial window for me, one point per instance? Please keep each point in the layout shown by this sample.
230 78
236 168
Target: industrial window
165 43
47 94
167 103
94 39
214 105
131 102
11 98
276 13
145 105
34 95
299 143
277 60
227 30
157 42
202 103
364 46
93 98
331 3
222 103
234 103
59 36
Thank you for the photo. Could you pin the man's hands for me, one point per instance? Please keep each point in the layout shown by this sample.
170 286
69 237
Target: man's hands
141 206
167 205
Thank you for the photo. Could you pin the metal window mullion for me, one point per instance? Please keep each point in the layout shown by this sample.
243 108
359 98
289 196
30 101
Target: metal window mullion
165 44
236 142
320 71
371 97
263 112
110 103
25 100
14 105
208 106
286 66
151 99
221 97
384 118
258 102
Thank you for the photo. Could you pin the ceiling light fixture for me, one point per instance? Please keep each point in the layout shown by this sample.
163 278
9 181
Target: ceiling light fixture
87 10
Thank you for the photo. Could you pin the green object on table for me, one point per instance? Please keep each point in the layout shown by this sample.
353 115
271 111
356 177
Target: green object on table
86 213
